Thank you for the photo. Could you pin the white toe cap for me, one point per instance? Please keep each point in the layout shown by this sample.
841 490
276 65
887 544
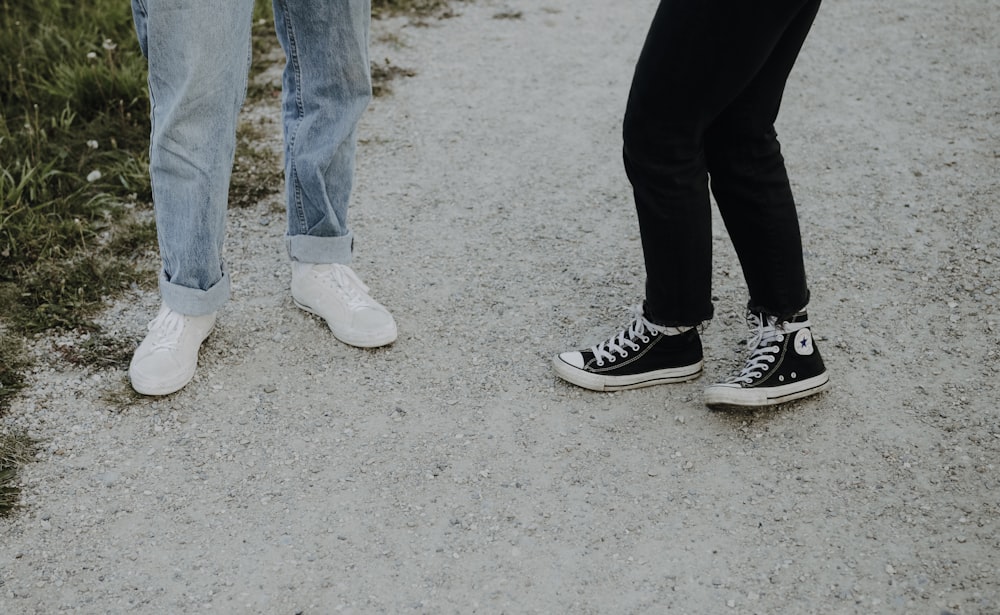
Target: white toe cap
572 358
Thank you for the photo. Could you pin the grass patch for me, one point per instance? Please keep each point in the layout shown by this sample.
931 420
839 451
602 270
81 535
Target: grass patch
383 74
12 362
74 126
119 396
508 15
257 169
64 293
15 450
99 350
416 8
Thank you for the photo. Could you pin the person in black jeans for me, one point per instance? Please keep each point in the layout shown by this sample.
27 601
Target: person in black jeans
701 113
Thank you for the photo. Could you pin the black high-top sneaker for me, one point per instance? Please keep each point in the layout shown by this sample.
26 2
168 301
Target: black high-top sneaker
784 364
641 355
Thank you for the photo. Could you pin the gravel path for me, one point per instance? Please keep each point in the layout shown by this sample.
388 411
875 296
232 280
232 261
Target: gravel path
451 472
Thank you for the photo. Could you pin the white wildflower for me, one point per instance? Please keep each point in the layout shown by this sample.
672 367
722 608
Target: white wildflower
109 45
92 144
93 176
91 56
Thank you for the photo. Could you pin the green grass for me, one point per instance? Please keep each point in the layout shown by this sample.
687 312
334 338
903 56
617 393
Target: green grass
16 449
416 8
73 144
73 127
12 364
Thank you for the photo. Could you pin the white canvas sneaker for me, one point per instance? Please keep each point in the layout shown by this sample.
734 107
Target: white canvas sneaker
166 360
336 294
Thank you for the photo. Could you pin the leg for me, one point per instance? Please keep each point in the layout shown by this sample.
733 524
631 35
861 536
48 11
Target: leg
697 59
749 181
198 54
751 186
327 86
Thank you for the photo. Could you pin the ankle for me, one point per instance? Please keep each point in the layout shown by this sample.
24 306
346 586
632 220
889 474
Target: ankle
670 330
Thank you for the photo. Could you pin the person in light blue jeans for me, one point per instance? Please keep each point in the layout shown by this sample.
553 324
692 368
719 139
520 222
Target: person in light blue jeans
198 52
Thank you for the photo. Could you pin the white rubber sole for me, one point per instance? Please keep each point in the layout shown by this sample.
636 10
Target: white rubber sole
162 387
597 382
353 337
733 396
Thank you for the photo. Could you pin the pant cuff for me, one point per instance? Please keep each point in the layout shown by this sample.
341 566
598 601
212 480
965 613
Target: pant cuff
760 308
654 318
194 301
310 249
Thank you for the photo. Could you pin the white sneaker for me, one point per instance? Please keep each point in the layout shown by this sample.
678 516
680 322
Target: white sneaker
166 360
336 294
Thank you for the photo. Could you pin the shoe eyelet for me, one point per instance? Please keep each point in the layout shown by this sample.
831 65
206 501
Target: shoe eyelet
781 378
600 364
612 359
645 340
794 375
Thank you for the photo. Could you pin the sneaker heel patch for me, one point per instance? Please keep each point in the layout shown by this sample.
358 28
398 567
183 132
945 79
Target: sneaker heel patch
803 342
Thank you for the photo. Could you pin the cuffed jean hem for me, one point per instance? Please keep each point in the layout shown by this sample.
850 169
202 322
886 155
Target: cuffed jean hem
310 249
194 301
654 318
784 314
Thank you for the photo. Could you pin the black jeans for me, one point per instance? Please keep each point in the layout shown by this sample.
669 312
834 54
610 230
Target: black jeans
704 98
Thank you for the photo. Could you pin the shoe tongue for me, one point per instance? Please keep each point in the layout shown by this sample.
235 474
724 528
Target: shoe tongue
169 328
772 328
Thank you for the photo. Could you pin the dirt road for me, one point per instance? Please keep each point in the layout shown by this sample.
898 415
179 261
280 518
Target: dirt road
452 473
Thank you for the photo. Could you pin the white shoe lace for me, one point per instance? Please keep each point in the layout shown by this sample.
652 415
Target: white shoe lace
765 335
353 288
166 330
613 348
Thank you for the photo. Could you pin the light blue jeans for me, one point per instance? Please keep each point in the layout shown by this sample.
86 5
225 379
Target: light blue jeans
199 53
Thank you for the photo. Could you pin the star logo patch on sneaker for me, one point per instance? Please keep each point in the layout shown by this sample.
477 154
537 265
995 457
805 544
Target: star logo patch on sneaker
803 342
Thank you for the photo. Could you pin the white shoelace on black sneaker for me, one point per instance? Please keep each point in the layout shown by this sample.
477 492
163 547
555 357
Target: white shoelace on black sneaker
763 331
615 347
